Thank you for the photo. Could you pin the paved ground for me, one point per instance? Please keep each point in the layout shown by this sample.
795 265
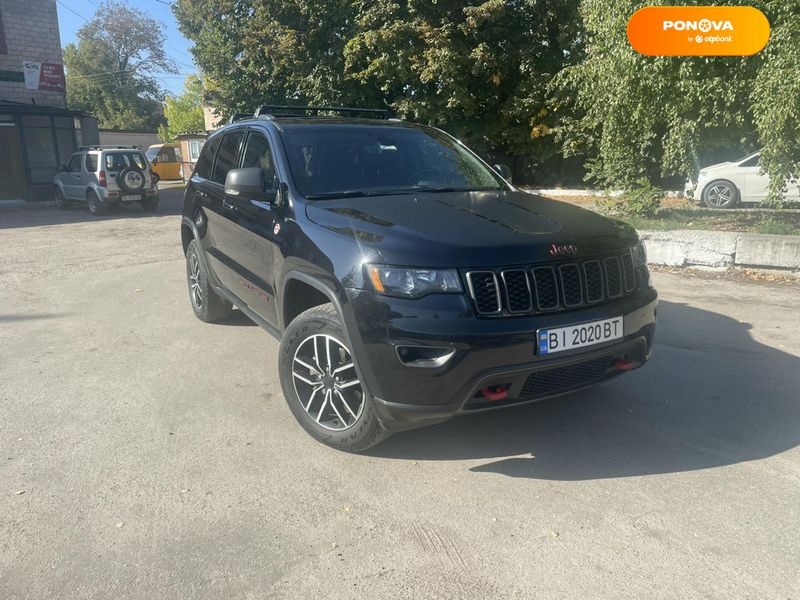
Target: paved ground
144 454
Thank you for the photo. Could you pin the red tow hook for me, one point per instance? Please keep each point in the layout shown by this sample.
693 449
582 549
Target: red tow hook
495 392
624 364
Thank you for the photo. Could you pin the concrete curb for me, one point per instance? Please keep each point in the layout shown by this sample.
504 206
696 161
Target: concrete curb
721 249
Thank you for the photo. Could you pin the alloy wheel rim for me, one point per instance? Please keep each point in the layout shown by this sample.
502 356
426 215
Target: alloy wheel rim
194 281
719 195
326 382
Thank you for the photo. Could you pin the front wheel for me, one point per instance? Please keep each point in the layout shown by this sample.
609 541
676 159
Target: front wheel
720 194
60 201
321 384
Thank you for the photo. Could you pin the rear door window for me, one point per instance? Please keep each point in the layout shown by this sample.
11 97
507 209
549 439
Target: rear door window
116 161
226 157
91 163
206 160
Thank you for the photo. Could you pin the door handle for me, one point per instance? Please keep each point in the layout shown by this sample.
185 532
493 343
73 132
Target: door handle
227 205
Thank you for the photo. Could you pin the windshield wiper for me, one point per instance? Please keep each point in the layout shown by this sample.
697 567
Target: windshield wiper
435 190
342 194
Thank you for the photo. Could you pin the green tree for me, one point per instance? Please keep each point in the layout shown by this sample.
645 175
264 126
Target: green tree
479 70
111 66
659 119
183 112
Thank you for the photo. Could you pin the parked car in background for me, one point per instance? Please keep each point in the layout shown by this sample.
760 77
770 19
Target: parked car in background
104 176
165 160
727 184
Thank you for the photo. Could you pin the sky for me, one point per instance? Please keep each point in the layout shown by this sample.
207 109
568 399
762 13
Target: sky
73 14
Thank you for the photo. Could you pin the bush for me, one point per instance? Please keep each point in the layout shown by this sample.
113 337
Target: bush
642 200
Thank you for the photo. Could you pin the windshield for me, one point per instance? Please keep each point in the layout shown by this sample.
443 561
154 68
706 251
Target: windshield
360 160
152 152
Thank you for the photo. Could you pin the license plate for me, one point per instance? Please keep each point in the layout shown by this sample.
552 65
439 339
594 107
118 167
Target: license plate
559 339
136 197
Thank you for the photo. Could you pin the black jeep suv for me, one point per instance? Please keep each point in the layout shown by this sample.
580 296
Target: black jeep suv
406 280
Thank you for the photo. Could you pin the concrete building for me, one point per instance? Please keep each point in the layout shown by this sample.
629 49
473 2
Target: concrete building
37 132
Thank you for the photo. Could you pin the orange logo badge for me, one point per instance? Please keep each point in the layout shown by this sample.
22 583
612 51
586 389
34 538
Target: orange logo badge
698 30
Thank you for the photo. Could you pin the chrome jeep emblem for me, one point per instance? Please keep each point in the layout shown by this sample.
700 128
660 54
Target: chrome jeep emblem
563 250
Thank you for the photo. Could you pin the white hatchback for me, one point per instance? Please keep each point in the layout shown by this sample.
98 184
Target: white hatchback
726 184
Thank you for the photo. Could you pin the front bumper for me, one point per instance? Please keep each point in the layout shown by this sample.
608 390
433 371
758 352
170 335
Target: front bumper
486 352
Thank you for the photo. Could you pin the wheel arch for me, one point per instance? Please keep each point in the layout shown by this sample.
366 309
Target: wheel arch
309 291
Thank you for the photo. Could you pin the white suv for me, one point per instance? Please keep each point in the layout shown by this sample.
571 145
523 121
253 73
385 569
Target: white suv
103 176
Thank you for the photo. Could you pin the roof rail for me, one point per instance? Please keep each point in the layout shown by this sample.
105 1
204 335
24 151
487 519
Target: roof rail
274 110
238 117
110 147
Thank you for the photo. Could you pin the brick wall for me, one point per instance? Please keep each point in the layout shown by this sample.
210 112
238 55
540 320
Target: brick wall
30 31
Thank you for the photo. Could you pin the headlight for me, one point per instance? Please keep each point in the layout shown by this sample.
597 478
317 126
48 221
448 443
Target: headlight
639 255
413 283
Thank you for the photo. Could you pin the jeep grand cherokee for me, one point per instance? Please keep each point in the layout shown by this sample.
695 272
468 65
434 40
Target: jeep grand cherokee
407 280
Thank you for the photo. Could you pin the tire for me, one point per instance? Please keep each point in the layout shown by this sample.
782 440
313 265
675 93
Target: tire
349 423
720 193
150 205
60 201
207 305
96 206
131 180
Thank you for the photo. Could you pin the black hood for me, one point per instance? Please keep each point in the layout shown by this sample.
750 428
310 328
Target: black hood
469 229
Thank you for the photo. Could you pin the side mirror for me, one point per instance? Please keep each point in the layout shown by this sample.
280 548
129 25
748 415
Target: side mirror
154 161
504 171
249 184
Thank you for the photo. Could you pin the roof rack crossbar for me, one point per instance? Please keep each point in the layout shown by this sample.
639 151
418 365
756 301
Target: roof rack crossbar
238 117
272 109
110 147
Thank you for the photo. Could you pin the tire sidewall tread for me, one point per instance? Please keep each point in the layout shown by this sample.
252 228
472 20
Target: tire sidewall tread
367 431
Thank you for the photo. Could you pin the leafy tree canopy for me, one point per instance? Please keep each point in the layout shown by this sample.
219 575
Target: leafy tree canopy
655 118
110 69
479 69
183 112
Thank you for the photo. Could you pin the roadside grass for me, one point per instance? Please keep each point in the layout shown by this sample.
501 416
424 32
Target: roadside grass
668 219
679 213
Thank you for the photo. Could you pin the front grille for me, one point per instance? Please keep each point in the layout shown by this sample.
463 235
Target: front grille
541 383
484 289
628 275
551 287
613 277
593 274
544 279
571 285
518 290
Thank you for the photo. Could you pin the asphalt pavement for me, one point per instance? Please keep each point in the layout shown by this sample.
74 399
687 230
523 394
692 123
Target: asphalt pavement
144 454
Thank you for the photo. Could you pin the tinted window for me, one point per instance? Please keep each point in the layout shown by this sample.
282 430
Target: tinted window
381 159
206 160
258 154
116 161
74 163
226 157
753 162
91 163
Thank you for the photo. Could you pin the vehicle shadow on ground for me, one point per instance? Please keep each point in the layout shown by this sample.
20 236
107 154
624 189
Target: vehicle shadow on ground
711 396
43 213
237 319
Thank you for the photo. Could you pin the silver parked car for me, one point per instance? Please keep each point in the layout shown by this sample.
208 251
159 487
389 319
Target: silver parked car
103 176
